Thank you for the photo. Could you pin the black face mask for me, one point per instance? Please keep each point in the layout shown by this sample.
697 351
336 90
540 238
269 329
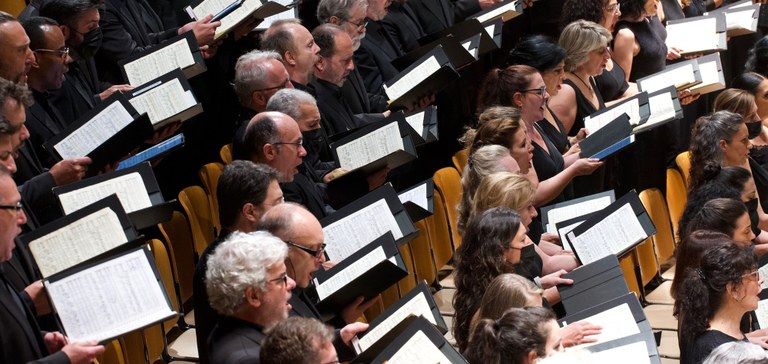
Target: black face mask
754 129
313 141
528 266
91 44
753 216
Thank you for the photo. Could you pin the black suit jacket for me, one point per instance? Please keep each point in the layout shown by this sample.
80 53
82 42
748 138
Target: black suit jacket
301 306
305 192
43 124
335 113
205 316
36 184
235 341
437 15
129 27
80 91
374 57
403 26
360 101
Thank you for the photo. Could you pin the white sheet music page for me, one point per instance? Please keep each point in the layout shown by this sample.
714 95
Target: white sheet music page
419 349
348 235
559 214
710 74
679 35
741 19
634 353
109 299
77 242
370 147
214 7
662 109
159 62
287 14
416 195
617 322
490 30
417 306
762 313
164 101
416 121
565 230
631 108
129 188
348 274
672 77
495 13
94 132
613 234
412 78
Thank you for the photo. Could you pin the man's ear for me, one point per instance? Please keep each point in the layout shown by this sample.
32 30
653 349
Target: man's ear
65 31
320 64
289 58
250 212
531 358
270 151
334 20
253 297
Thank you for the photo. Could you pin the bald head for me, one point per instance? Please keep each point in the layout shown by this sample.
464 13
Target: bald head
274 139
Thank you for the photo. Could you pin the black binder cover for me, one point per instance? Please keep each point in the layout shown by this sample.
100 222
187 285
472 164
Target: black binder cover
391 343
457 54
158 212
721 29
599 281
267 9
118 145
644 336
672 91
463 31
428 132
182 116
612 133
134 245
637 206
415 211
545 210
393 202
391 161
374 281
431 85
508 15
671 67
739 7
642 101
190 71
111 202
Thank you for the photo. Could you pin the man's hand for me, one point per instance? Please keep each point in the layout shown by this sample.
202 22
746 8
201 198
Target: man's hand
377 179
39 298
82 352
115 88
355 309
349 331
54 341
330 176
70 170
204 30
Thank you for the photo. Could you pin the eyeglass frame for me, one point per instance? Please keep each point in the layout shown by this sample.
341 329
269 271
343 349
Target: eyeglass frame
616 8
16 208
300 143
283 277
540 91
317 254
360 27
63 53
278 87
756 274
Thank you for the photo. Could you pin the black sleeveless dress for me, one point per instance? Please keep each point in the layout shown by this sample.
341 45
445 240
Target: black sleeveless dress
593 183
612 84
556 134
549 164
650 35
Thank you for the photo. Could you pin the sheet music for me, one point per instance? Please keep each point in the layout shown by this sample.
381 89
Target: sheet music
741 19
662 109
348 274
679 35
78 241
764 272
491 30
164 101
416 121
565 230
472 51
634 353
710 74
214 7
348 235
287 14
762 314
671 77
416 195
417 306
559 214
631 108
370 147
160 62
412 78
613 234
130 189
495 13
617 322
94 132
110 299
419 349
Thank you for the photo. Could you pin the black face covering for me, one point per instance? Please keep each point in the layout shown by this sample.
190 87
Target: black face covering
753 216
91 44
313 141
754 129
528 266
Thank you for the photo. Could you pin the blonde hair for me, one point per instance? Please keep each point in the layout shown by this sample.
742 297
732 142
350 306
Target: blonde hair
506 291
483 162
498 125
503 189
737 101
579 39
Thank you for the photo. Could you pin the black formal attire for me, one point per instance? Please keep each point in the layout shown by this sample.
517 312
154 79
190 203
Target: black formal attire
556 134
302 306
672 10
374 57
360 101
549 164
20 336
702 346
235 341
128 27
36 184
650 35
335 112
205 316
403 26
593 183
32 9
44 121
437 15
241 124
305 191
80 91
612 84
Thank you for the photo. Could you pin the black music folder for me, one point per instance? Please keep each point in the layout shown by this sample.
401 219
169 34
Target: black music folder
106 297
494 29
250 9
369 149
611 138
364 220
419 200
582 206
710 31
79 236
741 17
636 107
452 46
623 348
105 134
148 210
376 267
414 340
505 11
427 76
614 230
462 32
166 99
566 226
417 302
682 75
664 106
712 77
181 51
423 125
599 281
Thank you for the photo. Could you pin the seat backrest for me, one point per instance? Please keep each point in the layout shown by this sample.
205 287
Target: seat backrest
664 239
683 161
408 283
182 248
676 199
133 347
460 160
422 255
438 228
163 263
209 175
195 203
646 261
448 183
628 262
226 153
113 353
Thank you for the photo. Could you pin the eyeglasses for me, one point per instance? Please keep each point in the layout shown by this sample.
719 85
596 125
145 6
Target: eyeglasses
315 253
278 87
613 8
63 53
282 279
755 274
16 208
540 91
300 143
360 26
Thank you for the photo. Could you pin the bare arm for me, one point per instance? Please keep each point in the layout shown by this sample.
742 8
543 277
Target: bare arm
624 50
564 106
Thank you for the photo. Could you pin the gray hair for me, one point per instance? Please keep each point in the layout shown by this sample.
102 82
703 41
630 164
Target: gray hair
338 8
737 352
250 73
239 263
287 101
10 90
483 162
581 37
296 340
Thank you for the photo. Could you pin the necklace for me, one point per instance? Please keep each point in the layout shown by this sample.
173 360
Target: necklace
588 86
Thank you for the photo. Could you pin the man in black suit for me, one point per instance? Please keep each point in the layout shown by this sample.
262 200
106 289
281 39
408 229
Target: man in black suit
403 25
245 192
297 48
438 15
21 340
377 50
248 284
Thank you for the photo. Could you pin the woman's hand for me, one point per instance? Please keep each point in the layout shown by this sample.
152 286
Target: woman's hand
579 333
